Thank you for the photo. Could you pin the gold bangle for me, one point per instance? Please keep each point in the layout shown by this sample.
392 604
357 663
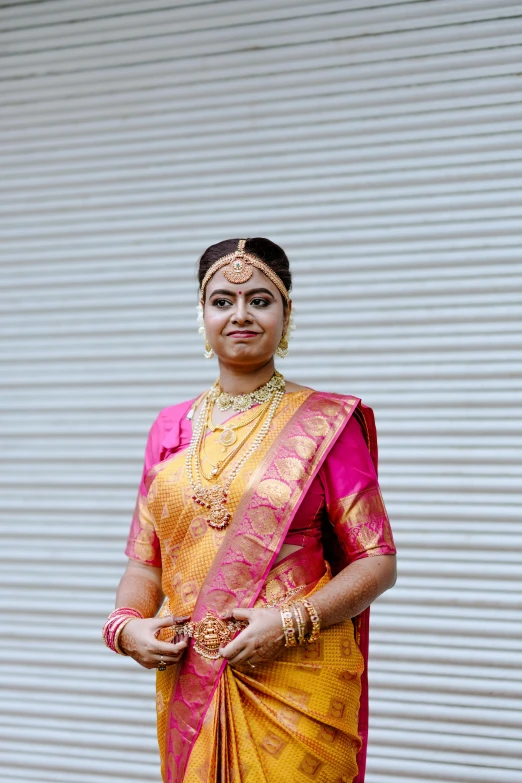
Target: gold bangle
300 622
316 622
287 620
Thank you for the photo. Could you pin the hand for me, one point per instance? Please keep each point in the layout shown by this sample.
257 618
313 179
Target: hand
262 640
139 639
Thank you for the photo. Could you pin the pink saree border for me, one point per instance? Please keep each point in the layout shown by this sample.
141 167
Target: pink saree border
367 421
246 556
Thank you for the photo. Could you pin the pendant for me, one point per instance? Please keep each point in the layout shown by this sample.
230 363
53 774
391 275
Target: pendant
214 499
211 634
227 438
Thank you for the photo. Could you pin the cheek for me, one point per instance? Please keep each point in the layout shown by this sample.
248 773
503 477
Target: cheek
215 320
273 324
271 318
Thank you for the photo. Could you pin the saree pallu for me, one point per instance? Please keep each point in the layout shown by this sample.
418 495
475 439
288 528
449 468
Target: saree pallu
291 719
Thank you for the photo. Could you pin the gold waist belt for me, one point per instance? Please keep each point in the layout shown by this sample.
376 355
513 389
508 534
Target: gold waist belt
210 633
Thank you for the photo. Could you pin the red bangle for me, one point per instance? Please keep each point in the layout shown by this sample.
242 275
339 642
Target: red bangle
115 624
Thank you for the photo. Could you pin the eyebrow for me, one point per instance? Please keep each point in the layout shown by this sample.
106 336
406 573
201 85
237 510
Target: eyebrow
224 292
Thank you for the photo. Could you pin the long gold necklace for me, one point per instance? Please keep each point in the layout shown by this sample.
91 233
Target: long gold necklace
228 430
221 464
214 498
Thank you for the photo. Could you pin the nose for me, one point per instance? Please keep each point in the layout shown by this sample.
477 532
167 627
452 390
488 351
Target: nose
241 314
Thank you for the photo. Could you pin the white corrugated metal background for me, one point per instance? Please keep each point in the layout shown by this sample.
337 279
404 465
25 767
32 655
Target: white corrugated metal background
381 144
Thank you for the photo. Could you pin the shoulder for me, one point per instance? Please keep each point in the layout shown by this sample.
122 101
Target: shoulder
171 415
317 396
359 433
361 421
349 401
167 424
171 429
290 386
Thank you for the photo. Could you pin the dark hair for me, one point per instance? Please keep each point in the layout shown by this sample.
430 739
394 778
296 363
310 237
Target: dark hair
267 251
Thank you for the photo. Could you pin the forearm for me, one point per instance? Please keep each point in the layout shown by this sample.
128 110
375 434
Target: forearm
354 589
140 588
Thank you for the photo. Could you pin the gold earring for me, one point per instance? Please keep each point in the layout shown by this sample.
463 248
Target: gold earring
282 348
209 352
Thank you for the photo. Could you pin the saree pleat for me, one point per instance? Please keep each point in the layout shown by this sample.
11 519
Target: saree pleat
292 719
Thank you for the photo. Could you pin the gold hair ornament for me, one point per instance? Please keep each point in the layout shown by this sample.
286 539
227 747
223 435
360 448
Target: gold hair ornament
238 267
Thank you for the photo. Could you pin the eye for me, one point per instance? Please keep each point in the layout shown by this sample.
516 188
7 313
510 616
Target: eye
260 302
220 303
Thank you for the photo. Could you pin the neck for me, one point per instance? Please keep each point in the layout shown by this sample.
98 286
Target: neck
235 382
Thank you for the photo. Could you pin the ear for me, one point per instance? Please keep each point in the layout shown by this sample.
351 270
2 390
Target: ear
286 317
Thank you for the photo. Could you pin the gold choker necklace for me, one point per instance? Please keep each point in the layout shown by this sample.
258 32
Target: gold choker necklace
243 402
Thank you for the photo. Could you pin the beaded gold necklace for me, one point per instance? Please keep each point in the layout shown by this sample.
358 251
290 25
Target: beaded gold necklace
243 402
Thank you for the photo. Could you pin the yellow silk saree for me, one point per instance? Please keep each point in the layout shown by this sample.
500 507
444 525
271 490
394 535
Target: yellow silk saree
302 716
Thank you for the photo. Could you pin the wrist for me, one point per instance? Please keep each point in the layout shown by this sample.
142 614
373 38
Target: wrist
300 622
115 625
122 636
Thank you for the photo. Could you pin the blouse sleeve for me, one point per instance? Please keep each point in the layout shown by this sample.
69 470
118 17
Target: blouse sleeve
143 543
354 502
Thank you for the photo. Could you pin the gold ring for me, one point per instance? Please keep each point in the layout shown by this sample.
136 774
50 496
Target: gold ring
161 666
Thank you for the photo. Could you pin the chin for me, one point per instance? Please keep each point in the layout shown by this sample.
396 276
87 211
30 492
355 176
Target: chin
248 354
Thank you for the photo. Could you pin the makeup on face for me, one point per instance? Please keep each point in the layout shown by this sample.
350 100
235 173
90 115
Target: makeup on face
231 294
244 314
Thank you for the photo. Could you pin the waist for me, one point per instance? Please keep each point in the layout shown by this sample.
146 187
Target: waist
295 575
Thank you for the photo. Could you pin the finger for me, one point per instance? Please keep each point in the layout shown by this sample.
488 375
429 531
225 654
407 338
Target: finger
237 657
242 614
180 637
164 661
159 659
179 620
170 619
166 648
241 658
180 645
173 654
232 649
229 651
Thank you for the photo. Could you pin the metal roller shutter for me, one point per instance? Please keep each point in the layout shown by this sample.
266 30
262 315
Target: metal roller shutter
380 144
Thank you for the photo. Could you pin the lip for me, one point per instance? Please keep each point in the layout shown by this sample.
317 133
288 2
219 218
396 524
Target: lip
243 335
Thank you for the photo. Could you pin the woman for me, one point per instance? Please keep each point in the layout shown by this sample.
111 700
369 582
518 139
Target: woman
261 533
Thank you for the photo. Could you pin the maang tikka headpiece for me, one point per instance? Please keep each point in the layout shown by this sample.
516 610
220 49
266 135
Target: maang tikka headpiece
238 267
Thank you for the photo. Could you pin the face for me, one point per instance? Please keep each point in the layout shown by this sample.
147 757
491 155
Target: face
244 321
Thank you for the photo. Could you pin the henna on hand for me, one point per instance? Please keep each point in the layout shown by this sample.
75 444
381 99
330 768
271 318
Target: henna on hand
353 589
139 640
140 592
261 640
269 643
127 641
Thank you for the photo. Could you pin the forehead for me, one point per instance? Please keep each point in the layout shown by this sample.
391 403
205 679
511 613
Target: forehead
258 280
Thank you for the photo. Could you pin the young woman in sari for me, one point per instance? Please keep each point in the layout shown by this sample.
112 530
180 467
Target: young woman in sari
258 542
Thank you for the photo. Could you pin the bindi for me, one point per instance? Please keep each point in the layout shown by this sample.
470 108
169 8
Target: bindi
240 292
